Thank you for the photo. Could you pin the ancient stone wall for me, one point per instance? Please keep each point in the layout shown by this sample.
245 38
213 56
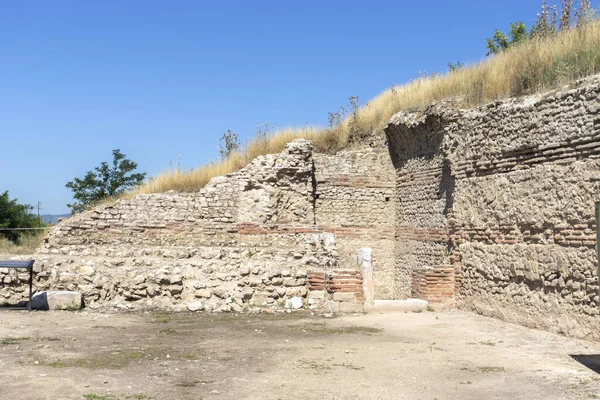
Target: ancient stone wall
355 201
422 200
503 195
246 240
287 225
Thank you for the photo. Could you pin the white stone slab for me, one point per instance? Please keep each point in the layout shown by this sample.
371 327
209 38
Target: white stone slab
396 305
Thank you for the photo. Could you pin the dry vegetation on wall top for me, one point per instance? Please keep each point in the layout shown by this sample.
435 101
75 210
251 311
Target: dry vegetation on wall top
533 66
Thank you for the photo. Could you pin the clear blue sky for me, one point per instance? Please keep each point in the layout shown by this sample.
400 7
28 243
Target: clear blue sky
158 79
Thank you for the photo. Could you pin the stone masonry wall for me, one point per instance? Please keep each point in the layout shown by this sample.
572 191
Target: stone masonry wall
355 201
250 239
245 240
514 213
422 200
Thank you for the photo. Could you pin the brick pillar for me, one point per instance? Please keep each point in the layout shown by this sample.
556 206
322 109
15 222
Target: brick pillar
434 284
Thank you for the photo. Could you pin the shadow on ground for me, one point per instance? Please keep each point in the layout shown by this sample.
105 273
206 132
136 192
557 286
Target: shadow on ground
21 305
592 361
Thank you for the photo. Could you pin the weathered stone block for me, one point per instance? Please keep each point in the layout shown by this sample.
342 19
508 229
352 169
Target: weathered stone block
258 300
203 293
56 300
317 294
289 282
195 306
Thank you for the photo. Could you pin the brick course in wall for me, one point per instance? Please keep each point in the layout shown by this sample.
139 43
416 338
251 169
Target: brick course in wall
356 202
247 240
514 208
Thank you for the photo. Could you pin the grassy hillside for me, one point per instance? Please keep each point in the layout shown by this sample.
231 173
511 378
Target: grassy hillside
27 244
533 66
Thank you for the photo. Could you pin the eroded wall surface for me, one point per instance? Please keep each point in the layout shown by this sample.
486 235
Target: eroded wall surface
355 201
499 202
287 225
245 240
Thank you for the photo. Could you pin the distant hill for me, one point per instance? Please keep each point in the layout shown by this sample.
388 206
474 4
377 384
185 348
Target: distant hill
53 218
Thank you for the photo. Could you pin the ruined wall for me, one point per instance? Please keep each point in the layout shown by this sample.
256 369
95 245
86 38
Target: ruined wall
286 225
422 197
14 283
355 201
245 240
515 210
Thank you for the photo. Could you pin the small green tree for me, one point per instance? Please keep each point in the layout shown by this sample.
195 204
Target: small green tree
104 181
455 67
230 142
15 215
518 33
500 41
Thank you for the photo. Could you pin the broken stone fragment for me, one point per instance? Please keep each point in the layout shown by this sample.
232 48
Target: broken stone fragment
294 303
276 281
289 282
174 289
87 270
195 306
247 293
258 300
220 292
204 293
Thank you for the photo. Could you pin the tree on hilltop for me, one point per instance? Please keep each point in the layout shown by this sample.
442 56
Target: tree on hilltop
104 181
15 215
548 22
500 41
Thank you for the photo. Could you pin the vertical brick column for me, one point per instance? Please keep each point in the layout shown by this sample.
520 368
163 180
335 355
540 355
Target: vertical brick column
434 284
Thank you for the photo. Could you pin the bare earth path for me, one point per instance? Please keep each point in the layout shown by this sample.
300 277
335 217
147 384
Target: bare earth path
434 355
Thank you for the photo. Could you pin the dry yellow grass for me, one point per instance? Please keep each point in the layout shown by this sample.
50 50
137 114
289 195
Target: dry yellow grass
27 244
533 66
195 179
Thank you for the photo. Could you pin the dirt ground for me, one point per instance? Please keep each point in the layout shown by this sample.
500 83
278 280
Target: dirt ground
429 355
